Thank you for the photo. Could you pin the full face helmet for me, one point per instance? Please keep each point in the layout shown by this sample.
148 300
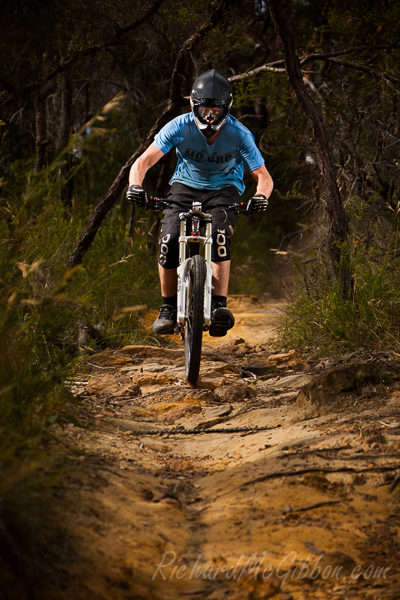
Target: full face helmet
211 100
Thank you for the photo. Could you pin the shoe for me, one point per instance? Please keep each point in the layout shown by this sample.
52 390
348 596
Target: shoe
221 320
166 320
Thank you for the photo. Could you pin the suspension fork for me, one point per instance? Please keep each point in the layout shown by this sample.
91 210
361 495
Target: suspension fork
207 291
184 261
181 272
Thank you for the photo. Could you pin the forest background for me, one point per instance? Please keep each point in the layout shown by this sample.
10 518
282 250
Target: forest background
84 87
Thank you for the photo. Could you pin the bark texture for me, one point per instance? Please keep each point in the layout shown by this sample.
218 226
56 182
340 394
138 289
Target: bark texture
338 221
40 131
65 132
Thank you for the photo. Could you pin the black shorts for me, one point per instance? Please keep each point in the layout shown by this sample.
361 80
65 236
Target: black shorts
215 202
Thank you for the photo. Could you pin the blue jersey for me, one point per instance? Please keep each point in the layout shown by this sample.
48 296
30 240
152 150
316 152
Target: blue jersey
209 166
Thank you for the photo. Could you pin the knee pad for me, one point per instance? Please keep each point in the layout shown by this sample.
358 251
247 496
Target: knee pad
168 256
221 244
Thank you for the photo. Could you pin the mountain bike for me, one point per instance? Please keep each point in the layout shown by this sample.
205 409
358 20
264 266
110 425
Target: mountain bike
194 278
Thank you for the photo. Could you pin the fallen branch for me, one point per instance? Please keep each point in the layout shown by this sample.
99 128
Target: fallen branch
358 456
392 426
277 474
310 506
99 366
320 454
394 483
305 452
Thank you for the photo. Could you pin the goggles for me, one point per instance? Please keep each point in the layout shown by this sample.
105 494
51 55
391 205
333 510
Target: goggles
210 113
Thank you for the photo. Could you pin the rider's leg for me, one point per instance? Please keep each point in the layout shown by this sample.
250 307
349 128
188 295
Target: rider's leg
168 281
220 278
166 320
221 318
167 264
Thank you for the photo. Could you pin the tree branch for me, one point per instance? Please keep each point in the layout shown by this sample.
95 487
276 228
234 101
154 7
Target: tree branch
375 72
275 66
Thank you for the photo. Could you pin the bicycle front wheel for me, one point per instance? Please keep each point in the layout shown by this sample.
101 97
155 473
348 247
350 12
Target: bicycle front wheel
194 317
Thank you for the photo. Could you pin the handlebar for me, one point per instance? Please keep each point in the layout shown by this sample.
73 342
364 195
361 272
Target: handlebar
156 203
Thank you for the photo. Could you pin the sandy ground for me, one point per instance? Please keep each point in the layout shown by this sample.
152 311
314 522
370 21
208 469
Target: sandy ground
173 498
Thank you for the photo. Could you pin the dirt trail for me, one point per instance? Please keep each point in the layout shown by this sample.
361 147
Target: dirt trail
302 510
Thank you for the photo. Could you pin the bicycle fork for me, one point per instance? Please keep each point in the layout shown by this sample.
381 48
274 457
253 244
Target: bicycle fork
195 237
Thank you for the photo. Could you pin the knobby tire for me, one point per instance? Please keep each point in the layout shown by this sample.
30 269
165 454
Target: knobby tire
195 318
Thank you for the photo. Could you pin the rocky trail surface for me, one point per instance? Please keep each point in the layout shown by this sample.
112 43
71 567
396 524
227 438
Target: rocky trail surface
176 496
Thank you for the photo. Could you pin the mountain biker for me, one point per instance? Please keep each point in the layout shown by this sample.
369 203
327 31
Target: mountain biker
212 147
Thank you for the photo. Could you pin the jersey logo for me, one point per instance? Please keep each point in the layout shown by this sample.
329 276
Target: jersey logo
199 156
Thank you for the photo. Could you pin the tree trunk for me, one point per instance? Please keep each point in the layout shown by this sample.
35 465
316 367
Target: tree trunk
338 221
161 186
65 132
40 131
40 100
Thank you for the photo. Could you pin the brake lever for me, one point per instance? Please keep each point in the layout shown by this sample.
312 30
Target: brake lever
155 203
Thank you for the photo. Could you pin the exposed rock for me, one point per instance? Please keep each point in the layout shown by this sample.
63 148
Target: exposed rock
259 368
291 382
211 381
228 368
275 359
144 379
178 411
234 393
149 365
322 395
186 407
212 416
107 384
218 411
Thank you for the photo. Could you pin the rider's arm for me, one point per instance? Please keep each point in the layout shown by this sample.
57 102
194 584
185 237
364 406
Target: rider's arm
265 184
143 163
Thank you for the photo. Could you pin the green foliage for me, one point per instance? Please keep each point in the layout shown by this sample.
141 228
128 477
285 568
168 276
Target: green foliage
44 304
320 322
33 370
43 309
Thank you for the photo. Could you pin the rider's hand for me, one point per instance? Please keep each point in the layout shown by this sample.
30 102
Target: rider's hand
136 195
257 204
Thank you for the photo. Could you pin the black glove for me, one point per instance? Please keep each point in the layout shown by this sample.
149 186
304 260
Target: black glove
257 204
136 195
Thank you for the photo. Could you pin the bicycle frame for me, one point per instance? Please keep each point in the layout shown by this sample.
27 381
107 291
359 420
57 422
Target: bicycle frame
195 216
